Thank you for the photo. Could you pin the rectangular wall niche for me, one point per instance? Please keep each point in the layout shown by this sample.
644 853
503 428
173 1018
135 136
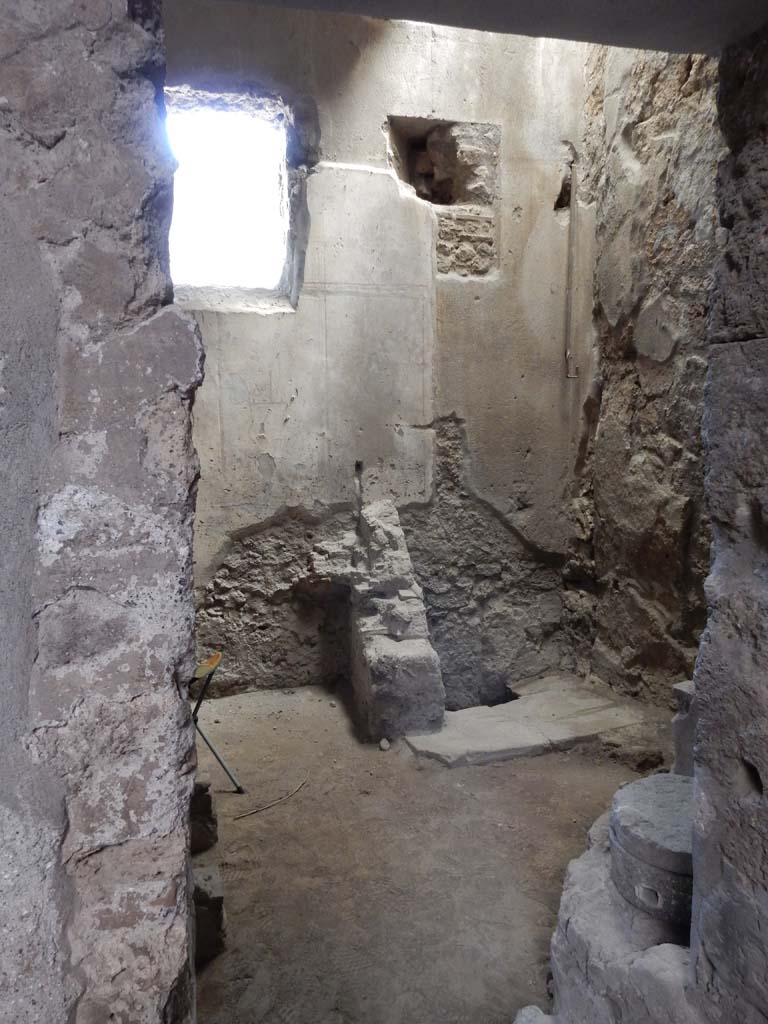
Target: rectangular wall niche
454 166
230 228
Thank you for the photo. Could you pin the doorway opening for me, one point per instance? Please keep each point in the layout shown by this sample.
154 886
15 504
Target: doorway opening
449 631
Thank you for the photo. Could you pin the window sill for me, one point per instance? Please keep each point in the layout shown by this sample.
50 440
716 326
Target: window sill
232 300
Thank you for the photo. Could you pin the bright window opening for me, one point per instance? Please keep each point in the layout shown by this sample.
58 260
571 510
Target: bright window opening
229 231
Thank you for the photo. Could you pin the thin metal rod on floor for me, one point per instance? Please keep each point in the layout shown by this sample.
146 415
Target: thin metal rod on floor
230 775
272 803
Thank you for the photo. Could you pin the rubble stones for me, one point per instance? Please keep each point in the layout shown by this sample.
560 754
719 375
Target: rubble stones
357 570
651 151
466 243
495 609
275 627
395 671
397 685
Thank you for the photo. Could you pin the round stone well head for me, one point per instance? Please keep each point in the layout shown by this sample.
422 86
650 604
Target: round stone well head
651 833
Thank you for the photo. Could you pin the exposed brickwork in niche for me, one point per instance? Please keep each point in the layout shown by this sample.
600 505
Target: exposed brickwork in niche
455 167
466 243
651 152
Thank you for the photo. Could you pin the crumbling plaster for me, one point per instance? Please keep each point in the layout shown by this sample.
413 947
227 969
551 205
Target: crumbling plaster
494 605
383 349
98 378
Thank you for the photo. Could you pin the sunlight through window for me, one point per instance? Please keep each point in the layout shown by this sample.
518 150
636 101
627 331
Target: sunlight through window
230 205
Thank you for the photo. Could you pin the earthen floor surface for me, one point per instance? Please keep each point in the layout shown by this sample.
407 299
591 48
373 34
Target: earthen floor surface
389 889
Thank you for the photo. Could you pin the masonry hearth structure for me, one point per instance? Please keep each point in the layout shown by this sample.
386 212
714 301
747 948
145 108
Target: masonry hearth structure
420 368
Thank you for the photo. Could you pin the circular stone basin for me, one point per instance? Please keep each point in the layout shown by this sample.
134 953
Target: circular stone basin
653 820
651 837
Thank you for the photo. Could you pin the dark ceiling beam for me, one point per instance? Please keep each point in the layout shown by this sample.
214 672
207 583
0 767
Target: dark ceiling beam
686 26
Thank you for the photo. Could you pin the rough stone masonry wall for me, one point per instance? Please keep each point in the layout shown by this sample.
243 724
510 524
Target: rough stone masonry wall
609 966
333 602
493 601
730 914
277 627
98 378
651 153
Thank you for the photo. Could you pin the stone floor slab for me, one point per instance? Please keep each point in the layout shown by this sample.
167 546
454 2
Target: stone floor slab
551 713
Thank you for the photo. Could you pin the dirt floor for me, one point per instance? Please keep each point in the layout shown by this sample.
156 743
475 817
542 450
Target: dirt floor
388 890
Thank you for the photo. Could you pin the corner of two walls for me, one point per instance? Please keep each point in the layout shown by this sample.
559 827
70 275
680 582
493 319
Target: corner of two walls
652 145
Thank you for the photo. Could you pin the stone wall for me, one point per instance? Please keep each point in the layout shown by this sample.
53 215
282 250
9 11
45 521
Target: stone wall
416 319
649 163
494 603
730 914
278 628
336 603
32 818
517 435
99 372
607 961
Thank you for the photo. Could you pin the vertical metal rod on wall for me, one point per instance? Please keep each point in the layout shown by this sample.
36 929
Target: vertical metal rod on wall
571 369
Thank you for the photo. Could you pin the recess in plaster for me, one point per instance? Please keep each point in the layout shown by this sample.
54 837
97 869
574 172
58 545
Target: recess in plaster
455 167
